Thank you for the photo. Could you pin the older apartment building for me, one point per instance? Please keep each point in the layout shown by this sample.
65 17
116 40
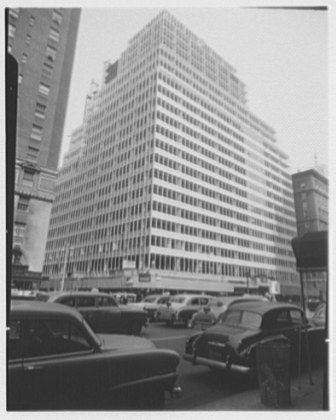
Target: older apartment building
42 40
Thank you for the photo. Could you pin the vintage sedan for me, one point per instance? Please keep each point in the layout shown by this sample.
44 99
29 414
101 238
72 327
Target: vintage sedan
232 343
219 305
152 305
180 308
101 311
57 362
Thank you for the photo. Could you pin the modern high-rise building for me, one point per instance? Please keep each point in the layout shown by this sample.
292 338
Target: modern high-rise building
311 201
43 42
179 185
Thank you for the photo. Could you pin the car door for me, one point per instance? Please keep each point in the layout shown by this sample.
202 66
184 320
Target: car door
60 368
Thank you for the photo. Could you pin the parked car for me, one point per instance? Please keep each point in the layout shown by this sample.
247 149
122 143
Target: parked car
231 344
180 308
152 305
219 305
319 316
57 362
101 311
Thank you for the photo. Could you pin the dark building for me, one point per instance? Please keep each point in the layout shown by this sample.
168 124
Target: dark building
311 207
43 42
311 201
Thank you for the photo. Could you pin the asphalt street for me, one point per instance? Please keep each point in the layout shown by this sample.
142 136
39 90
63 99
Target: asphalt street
199 384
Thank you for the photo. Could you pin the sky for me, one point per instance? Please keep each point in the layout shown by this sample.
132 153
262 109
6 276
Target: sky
281 55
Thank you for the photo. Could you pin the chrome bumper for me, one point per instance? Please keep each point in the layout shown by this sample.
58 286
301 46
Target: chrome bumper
215 364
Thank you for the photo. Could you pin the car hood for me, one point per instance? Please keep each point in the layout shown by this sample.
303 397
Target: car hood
124 342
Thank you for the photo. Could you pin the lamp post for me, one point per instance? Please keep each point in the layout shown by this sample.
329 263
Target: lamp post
248 274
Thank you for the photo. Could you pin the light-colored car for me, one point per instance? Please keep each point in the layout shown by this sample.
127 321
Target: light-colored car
57 362
152 305
181 308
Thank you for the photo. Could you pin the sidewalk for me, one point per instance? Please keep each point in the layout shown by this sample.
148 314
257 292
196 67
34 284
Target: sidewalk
305 396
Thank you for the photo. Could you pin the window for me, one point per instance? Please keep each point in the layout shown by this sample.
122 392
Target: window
54 35
51 53
24 58
23 203
57 17
20 78
44 89
36 133
28 178
45 337
283 320
85 301
14 12
28 39
32 153
11 30
106 301
40 110
31 21
47 70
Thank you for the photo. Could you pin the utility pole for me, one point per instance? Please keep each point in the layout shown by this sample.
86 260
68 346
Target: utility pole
64 267
248 281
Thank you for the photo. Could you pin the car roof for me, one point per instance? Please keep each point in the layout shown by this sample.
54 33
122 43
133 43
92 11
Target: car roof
262 307
33 307
229 299
187 295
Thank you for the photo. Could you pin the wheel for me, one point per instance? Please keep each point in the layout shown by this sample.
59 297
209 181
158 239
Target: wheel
135 328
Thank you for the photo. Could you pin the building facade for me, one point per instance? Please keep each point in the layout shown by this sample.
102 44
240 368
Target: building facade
179 185
43 42
311 201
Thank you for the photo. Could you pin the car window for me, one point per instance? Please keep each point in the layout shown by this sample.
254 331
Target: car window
85 301
194 301
204 301
69 300
250 320
163 299
106 301
296 317
45 337
231 317
283 320
244 319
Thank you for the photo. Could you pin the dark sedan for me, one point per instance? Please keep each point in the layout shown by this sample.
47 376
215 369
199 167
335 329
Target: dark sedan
231 344
101 311
56 362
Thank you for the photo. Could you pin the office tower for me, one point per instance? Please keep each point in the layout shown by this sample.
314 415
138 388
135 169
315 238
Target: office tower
43 42
179 186
311 201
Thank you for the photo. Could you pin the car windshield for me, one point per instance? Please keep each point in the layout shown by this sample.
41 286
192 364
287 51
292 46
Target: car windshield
93 335
241 318
178 299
